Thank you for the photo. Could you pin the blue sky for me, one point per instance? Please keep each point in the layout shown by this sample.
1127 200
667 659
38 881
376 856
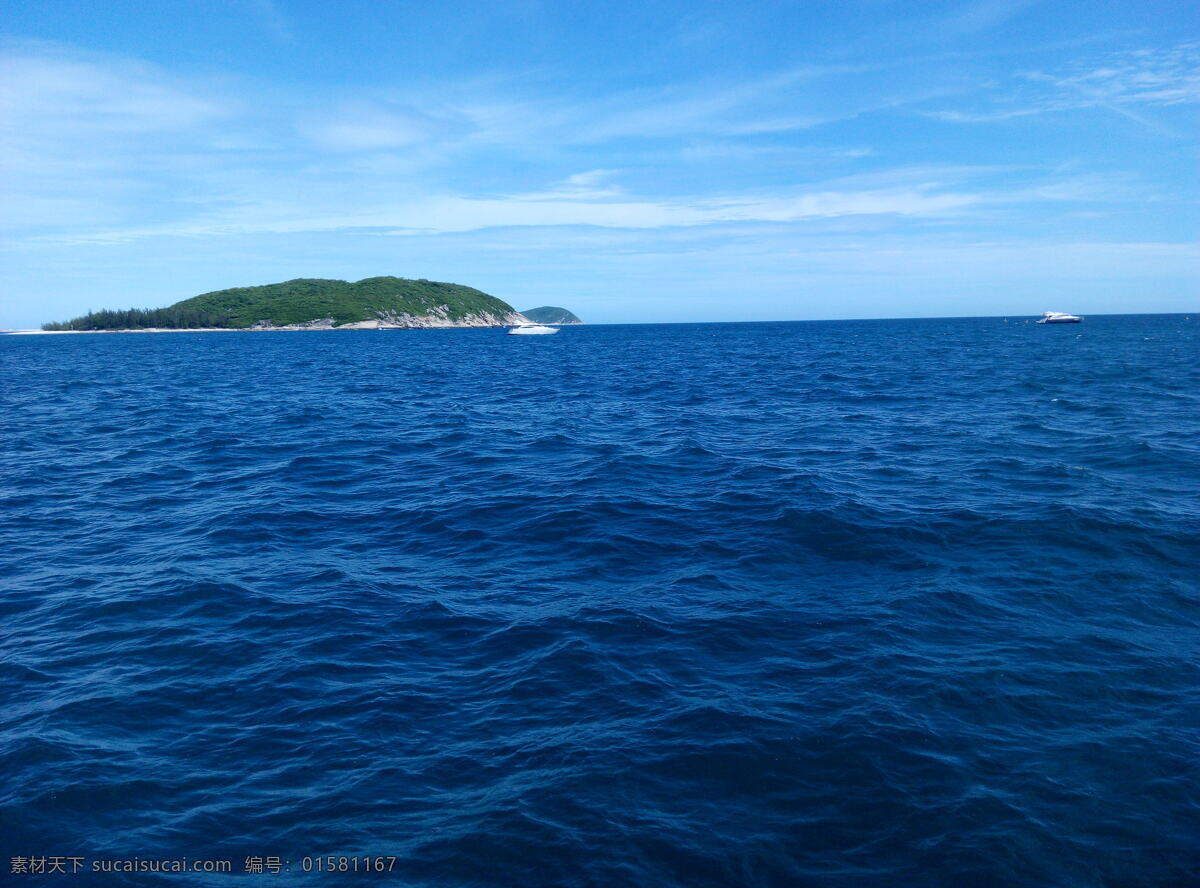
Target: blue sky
633 162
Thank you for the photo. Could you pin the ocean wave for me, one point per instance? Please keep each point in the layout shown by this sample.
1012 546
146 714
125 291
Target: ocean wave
696 605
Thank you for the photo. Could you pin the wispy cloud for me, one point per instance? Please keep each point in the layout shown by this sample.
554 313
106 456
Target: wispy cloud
378 126
583 201
980 16
44 85
83 135
93 139
113 150
1121 83
679 110
792 99
269 15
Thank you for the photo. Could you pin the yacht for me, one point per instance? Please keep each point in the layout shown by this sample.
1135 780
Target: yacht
531 330
1058 317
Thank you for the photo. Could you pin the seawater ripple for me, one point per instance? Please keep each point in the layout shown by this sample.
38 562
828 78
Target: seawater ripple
809 604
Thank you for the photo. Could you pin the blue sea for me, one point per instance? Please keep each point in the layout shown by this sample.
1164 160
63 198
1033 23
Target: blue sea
862 603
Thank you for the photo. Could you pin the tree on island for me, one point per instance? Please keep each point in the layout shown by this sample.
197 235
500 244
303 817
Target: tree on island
172 318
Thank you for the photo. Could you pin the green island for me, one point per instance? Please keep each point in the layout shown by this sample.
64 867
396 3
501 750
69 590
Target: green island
313 303
551 314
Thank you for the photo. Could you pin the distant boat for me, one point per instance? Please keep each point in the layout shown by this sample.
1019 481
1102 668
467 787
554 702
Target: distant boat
531 330
1058 317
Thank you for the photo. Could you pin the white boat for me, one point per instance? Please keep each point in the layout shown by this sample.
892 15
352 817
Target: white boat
1058 317
531 330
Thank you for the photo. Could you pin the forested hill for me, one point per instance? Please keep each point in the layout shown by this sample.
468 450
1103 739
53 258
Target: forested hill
551 314
313 302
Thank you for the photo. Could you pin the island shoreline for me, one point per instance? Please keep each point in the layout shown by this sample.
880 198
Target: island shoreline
288 329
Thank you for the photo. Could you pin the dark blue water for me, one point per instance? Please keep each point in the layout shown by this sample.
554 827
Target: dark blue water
816 604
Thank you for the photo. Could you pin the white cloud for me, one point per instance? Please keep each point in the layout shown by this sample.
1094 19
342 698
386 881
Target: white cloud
579 186
589 179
